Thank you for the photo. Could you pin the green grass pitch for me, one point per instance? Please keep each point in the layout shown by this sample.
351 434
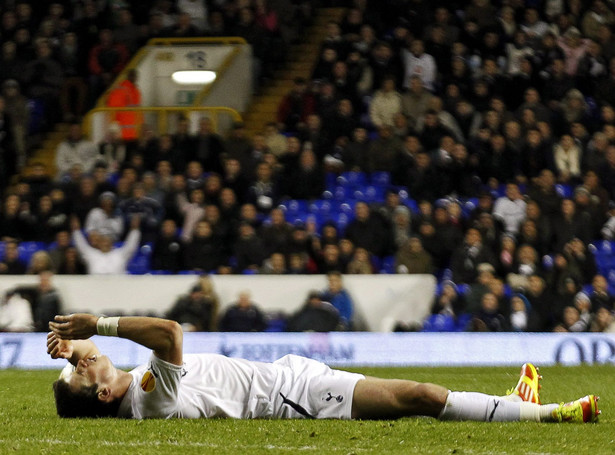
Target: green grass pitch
29 424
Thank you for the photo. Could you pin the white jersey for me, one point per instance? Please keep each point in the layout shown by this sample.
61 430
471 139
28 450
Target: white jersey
211 385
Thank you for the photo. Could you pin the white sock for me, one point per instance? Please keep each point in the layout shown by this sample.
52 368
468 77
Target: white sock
489 408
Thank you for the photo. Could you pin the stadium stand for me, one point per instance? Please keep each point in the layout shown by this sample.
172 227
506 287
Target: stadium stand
478 101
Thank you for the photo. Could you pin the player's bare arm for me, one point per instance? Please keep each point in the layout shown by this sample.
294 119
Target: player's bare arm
71 350
163 336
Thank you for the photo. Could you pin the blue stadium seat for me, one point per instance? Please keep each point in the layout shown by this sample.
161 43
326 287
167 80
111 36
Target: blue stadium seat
380 178
140 263
373 193
347 208
27 249
342 221
355 178
388 265
296 206
321 207
439 323
563 190
462 322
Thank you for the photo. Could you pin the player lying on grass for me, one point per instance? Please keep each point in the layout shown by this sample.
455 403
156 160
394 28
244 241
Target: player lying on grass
209 385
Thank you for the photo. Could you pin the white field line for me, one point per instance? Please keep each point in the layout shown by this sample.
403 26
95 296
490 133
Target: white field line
176 444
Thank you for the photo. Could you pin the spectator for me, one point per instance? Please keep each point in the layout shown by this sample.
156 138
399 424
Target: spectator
15 313
417 62
195 311
243 316
520 309
167 253
467 257
315 316
248 249
368 231
295 106
73 95
510 209
204 252
526 263
71 263
600 295
11 264
275 264
43 77
385 104
276 234
75 150
105 62
604 321
44 299
263 193
568 225
449 301
360 263
306 182
105 219
543 302
571 321
275 141
192 211
127 94
208 147
567 157
16 109
413 258
339 297
489 318
102 258
415 101
239 146
48 220
148 210
39 262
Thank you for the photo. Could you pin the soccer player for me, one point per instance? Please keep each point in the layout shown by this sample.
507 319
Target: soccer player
209 385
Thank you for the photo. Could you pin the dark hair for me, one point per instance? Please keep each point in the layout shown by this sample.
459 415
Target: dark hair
84 403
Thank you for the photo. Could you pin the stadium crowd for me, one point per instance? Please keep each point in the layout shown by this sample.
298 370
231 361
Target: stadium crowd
474 140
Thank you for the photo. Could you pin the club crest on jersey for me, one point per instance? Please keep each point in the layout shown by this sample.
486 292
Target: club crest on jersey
338 398
148 382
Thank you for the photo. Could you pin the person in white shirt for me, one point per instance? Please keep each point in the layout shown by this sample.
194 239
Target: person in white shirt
75 150
172 385
104 219
385 104
510 209
103 259
417 62
15 314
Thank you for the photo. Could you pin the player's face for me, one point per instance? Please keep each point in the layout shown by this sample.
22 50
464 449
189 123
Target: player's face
93 370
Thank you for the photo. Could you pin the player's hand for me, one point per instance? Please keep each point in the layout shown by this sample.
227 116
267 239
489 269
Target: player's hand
57 348
79 326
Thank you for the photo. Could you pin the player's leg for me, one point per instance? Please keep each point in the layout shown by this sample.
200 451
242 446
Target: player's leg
376 398
389 399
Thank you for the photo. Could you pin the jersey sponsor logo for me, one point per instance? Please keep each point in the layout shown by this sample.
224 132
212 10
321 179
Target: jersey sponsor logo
148 382
338 398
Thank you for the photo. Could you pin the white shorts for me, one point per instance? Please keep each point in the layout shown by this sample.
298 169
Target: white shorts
313 390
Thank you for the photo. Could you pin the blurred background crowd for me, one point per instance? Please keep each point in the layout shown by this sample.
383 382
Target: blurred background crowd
473 140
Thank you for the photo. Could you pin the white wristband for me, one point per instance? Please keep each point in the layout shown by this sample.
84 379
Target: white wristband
107 326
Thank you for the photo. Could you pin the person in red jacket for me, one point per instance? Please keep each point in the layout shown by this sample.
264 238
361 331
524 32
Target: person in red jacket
127 94
106 60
